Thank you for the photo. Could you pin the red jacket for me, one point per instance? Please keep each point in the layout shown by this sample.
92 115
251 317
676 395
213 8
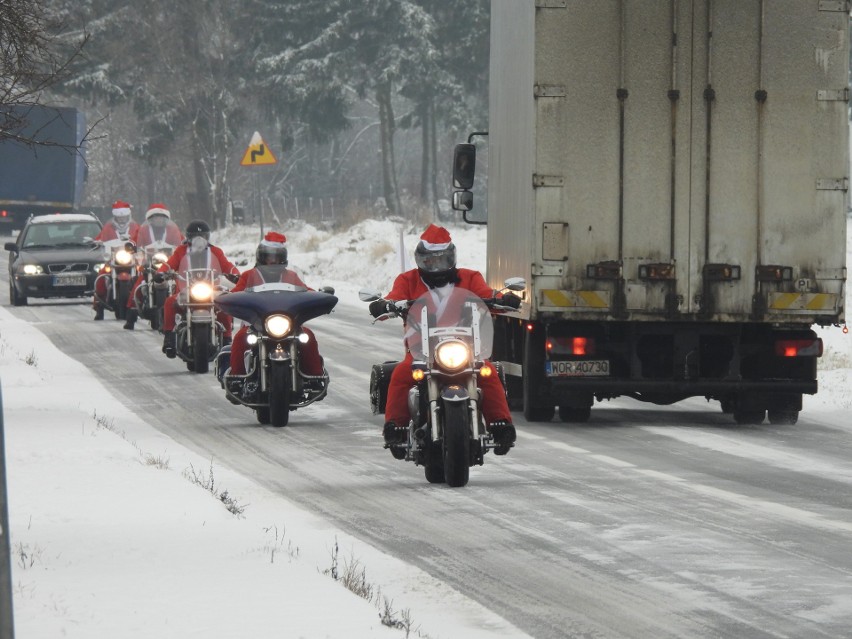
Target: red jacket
109 232
409 285
174 260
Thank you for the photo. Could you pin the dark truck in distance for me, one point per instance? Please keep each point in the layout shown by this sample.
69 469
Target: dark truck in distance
47 175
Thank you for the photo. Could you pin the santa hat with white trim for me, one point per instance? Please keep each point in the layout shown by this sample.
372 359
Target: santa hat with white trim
120 209
157 209
273 243
435 254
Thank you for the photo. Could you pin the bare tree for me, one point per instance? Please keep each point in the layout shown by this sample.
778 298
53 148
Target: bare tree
32 60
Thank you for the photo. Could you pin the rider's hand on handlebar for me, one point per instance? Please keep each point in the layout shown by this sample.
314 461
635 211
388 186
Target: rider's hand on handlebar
510 299
231 277
381 307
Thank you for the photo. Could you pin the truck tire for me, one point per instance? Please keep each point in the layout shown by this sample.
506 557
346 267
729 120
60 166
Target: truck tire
749 416
783 417
534 377
572 415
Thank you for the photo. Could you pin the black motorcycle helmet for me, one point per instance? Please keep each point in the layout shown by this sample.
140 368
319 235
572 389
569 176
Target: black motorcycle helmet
272 250
435 257
197 228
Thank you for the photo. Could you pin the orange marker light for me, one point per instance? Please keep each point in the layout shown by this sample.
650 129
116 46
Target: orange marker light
417 375
486 371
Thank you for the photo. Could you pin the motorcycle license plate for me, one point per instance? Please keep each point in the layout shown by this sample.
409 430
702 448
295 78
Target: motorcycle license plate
585 368
69 279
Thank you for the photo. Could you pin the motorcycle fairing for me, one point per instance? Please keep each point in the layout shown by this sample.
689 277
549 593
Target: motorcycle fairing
254 305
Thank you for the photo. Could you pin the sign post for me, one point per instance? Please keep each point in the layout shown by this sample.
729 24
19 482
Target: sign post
258 154
7 627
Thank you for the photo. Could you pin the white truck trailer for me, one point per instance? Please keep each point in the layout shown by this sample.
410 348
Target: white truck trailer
671 177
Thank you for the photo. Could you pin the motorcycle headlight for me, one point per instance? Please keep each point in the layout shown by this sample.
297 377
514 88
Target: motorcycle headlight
452 355
159 258
32 269
123 257
201 292
277 325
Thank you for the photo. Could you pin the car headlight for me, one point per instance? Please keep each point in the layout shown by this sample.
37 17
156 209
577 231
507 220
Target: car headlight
277 325
32 269
201 292
452 355
123 257
97 267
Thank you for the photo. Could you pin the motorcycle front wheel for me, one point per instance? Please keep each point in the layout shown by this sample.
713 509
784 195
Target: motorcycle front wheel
456 444
122 297
279 394
200 347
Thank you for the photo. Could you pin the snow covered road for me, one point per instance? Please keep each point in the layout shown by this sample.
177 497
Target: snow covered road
645 522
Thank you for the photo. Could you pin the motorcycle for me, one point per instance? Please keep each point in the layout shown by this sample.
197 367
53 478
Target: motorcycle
198 334
274 384
449 339
119 274
150 295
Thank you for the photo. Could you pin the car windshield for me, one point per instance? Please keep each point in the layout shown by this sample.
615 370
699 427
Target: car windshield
58 234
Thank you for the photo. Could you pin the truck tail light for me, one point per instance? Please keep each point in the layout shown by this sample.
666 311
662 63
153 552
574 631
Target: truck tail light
577 346
799 347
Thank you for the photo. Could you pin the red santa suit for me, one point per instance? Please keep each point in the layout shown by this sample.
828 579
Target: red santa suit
310 361
410 286
150 235
210 257
110 232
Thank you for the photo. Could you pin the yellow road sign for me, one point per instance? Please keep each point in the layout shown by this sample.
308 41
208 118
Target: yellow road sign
257 152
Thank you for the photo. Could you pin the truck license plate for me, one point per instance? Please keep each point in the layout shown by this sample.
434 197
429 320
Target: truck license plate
587 368
69 279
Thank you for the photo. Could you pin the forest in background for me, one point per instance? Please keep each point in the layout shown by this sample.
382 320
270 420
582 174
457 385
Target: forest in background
360 101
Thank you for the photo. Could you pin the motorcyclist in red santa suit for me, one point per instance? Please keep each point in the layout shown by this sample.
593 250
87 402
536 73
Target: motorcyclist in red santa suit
435 257
158 230
271 266
195 252
120 227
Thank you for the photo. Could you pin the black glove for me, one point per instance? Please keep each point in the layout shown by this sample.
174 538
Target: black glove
380 307
511 300
159 278
231 277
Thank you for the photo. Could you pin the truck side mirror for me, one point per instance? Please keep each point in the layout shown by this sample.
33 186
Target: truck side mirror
464 166
462 200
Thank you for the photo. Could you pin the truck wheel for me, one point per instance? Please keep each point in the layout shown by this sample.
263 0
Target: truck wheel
749 416
534 377
783 417
572 415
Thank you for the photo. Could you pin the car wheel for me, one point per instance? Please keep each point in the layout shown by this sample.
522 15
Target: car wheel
14 297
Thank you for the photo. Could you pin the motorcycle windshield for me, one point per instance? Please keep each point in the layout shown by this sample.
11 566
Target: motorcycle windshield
168 235
256 304
202 265
454 313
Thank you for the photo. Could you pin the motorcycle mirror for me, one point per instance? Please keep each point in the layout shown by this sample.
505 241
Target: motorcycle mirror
369 295
515 283
327 289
